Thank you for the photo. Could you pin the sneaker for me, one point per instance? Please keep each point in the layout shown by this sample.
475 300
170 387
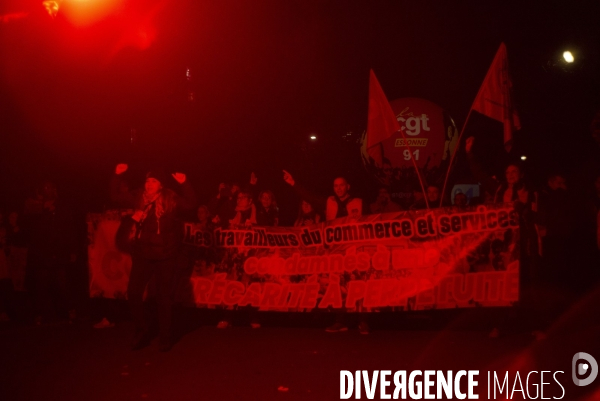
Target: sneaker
104 324
223 324
336 328
255 325
363 328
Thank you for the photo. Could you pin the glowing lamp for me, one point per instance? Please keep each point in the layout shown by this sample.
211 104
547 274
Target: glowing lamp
568 57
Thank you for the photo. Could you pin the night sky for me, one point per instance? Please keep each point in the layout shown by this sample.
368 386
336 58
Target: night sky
264 76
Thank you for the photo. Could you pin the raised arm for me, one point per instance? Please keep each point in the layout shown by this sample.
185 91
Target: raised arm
188 199
253 187
316 201
119 191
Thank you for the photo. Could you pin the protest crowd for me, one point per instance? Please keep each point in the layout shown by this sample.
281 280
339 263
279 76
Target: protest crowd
558 217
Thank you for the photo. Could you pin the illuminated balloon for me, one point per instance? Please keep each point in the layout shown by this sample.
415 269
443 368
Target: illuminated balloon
429 132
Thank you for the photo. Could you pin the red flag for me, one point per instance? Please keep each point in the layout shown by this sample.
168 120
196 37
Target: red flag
382 121
493 98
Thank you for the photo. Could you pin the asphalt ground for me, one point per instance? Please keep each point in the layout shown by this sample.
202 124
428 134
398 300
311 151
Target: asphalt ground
289 357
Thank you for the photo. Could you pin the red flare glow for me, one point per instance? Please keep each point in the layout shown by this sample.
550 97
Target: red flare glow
87 12
12 16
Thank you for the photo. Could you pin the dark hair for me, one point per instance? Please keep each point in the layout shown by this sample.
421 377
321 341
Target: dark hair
159 175
271 194
244 192
301 215
516 164
300 212
343 178
203 207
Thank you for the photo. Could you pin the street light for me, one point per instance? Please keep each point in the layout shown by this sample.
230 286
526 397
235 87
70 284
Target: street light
568 56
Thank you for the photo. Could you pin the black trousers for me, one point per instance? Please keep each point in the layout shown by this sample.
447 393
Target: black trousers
142 271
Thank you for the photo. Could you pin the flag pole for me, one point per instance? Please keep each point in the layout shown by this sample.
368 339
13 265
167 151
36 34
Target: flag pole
479 91
454 154
483 107
416 168
374 84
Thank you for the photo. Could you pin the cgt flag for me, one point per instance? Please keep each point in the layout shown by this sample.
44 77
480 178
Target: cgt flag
382 122
494 100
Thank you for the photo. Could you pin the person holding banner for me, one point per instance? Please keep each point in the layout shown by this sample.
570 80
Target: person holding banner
307 215
433 196
525 203
267 212
204 221
245 217
155 248
222 206
340 205
461 200
384 203
513 190
245 211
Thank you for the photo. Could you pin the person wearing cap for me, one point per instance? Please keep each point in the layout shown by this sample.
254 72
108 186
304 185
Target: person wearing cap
155 248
